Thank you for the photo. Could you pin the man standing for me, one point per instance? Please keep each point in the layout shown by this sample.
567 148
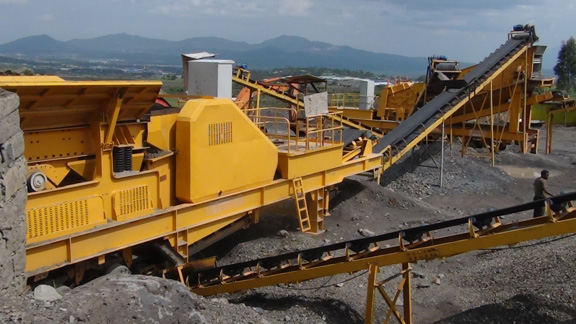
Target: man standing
541 192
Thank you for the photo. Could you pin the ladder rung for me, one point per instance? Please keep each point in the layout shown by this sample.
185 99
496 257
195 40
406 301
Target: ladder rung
300 197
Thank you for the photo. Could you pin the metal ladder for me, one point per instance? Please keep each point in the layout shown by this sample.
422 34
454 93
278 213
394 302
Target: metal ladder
301 205
323 202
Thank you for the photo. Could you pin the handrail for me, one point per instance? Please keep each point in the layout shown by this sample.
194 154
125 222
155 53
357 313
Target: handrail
317 128
272 120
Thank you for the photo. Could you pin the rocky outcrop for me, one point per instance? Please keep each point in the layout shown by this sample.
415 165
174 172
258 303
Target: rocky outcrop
12 197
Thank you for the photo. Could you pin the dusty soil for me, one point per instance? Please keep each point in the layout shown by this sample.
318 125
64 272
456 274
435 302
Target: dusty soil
526 283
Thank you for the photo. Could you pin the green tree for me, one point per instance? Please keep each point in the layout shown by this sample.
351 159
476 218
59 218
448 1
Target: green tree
565 69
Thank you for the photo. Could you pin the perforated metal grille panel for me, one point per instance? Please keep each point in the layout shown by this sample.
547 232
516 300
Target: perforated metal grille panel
131 201
219 133
57 218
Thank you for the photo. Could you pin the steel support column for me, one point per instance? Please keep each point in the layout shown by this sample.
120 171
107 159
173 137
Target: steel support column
403 287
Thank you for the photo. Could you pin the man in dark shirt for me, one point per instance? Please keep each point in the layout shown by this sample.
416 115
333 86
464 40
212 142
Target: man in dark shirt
541 191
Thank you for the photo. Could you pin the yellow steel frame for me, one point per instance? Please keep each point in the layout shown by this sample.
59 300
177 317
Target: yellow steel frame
433 249
392 159
112 212
399 100
499 108
429 248
243 79
565 106
56 104
357 125
511 93
404 287
187 222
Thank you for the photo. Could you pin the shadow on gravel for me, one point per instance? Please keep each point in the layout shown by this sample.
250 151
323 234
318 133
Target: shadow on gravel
335 311
272 220
410 162
525 309
346 190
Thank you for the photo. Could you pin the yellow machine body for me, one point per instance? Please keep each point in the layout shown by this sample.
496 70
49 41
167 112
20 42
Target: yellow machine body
193 174
397 101
219 151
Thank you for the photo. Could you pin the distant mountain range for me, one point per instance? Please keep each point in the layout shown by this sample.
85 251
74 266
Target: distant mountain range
282 51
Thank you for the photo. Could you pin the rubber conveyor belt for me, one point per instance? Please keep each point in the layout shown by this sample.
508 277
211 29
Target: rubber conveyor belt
409 129
480 220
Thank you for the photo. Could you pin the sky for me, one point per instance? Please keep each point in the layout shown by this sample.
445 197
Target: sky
465 30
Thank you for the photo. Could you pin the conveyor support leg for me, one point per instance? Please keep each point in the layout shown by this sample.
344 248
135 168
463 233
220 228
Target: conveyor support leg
404 288
318 203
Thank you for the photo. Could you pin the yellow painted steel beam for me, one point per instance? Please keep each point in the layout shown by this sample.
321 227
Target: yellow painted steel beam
380 124
549 116
372 283
475 132
532 100
199 220
407 293
296 102
113 114
12 82
448 246
356 125
268 91
352 113
48 105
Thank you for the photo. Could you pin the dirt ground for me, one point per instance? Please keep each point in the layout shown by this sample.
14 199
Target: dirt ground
526 283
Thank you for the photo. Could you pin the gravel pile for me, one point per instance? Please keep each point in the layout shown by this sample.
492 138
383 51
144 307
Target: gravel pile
525 309
466 174
128 299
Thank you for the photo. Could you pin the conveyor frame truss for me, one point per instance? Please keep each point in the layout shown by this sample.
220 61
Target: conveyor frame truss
242 77
501 112
505 70
425 242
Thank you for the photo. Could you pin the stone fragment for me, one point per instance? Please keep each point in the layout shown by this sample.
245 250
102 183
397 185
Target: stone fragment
46 293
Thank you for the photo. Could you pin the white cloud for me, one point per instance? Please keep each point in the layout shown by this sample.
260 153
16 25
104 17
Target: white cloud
294 7
47 17
13 2
245 8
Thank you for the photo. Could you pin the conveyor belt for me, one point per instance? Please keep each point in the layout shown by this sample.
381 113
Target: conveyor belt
420 121
294 100
285 262
266 89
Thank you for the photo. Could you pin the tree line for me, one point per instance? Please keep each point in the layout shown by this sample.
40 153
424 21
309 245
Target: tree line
565 68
